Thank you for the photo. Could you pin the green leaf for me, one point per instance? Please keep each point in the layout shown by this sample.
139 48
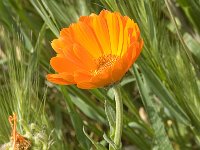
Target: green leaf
96 144
110 113
110 4
81 94
166 98
46 15
87 109
136 138
76 121
193 46
192 11
111 143
127 80
160 137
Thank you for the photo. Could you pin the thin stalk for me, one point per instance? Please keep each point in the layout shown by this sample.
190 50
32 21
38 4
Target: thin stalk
119 116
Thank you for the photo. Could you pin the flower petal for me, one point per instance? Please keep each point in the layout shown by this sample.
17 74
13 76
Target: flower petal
86 85
85 37
61 64
82 77
99 27
118 71
113 28
58 45
56 78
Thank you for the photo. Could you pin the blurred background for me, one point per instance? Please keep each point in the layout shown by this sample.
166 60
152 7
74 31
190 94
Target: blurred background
161 93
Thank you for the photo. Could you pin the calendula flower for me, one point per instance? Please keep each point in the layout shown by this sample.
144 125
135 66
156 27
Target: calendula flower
96 51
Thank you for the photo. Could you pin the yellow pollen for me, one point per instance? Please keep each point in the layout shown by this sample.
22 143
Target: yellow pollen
104 62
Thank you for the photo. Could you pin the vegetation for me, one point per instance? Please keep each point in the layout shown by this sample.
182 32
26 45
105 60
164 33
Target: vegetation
161 92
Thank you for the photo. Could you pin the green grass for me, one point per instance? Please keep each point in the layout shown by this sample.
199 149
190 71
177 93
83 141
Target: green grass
160 93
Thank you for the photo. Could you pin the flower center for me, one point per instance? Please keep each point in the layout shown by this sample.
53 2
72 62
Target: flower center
104 62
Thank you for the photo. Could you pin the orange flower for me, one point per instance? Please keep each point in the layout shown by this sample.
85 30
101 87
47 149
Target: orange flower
96 51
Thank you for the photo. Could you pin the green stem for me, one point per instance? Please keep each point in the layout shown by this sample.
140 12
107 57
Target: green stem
119 115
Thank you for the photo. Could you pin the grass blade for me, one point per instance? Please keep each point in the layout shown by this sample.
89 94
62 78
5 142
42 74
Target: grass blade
161 140
76 121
